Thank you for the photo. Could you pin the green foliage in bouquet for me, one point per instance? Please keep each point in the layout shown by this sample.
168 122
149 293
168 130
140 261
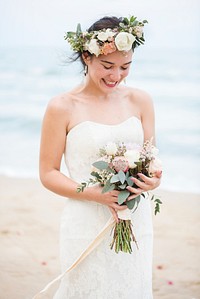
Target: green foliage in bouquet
119 181
114 171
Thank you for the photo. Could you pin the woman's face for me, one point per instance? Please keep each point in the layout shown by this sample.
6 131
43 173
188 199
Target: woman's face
106 72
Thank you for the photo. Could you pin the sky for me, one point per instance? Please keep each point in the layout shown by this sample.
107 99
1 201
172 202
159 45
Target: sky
172 23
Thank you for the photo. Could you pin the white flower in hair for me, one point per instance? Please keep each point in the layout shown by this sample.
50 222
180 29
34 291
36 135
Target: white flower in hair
124 41
93 47
103 36
128 34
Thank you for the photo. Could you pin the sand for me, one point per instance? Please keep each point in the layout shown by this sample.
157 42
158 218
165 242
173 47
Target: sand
29 241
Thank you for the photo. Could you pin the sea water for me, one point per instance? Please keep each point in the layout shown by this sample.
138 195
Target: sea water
29 77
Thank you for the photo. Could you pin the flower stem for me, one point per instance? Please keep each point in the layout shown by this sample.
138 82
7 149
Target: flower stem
123 236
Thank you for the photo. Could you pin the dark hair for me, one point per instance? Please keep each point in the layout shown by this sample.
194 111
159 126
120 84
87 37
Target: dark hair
103 23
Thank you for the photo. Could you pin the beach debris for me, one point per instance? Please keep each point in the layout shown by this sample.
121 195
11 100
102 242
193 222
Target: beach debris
43 263
5 231
170 282
159 267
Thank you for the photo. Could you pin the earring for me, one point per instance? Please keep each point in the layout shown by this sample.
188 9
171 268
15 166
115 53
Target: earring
85 70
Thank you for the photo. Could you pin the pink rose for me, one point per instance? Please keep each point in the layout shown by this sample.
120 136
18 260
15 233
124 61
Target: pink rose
120 163
108 48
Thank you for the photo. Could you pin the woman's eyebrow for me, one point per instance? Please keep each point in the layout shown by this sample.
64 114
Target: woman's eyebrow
113 63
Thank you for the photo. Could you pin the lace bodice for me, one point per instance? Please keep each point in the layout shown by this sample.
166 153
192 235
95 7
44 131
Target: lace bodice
85 139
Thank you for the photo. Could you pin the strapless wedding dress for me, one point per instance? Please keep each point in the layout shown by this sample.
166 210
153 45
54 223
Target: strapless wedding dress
103 274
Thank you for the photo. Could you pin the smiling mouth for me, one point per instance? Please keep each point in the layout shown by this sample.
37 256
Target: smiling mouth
110 83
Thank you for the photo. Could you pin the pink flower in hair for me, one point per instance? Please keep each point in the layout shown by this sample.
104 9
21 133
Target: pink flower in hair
108 48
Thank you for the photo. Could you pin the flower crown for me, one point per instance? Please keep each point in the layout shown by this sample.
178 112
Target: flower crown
127 35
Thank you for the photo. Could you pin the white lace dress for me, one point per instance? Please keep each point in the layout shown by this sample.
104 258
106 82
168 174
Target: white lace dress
103 274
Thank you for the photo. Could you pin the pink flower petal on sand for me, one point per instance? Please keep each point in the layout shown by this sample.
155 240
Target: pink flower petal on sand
170 282
43 263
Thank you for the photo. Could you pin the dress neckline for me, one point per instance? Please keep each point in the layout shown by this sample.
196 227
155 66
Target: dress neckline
101 124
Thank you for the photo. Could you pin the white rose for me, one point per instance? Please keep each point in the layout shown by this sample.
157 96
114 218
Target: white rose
124 41
105 35
93 47
111 148
155 165
132 156
110 33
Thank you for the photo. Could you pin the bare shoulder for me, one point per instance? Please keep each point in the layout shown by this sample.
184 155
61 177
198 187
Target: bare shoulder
140 96
141 103
60 103
58 112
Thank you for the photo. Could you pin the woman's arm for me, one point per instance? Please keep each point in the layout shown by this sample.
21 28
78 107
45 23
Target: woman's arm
53 139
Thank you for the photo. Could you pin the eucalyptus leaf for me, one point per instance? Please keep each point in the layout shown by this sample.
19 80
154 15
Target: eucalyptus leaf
121 176
127 175
123 195
138 199
131 203
100 165
122 186
108 187
110 170
129 181
115 179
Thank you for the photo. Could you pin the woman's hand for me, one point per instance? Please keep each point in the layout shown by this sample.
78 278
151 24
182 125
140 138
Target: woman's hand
109 199
147 184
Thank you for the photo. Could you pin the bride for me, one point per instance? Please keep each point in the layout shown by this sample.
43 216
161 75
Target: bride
76 124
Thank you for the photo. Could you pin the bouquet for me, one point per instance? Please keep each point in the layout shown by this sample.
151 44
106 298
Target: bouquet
117 164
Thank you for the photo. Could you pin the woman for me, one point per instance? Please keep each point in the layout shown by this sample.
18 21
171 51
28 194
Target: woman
77 124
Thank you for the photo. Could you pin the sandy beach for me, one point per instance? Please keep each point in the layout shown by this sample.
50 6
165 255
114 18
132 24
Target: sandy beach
29 246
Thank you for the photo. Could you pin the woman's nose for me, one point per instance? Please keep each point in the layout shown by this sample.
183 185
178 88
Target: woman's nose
115 75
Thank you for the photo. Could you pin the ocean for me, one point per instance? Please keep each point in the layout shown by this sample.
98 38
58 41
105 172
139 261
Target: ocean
30 76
